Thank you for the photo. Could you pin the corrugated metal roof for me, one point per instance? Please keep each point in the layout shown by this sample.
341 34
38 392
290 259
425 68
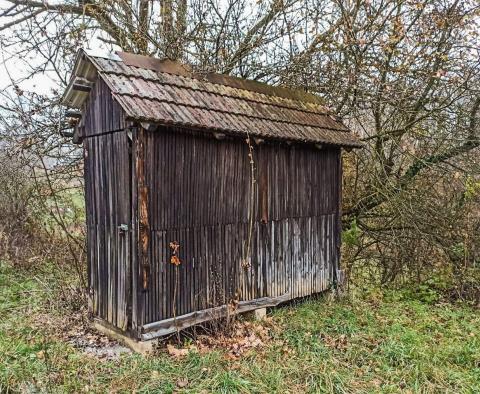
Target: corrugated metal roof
168 93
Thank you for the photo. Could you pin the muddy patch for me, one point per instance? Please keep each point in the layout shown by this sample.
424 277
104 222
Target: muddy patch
77 332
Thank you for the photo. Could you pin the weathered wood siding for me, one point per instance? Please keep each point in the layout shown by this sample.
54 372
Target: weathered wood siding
108 205
101 114
198 193
107 172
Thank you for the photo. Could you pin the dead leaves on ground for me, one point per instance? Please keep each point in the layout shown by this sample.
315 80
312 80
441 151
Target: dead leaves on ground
241 338
182 382
75 330
339 343
177 353
245 336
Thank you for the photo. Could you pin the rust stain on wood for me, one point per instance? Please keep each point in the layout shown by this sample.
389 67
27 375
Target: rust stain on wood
144 233
143 213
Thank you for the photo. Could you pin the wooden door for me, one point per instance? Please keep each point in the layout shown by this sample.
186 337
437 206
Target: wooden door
121 148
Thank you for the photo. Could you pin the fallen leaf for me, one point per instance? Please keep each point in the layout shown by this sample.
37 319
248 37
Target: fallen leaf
174 352
182 382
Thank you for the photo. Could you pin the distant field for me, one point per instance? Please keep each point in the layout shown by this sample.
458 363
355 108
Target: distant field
383 344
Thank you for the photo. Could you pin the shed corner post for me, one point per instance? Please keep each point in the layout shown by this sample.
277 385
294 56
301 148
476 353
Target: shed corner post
339 276
87 199
141 229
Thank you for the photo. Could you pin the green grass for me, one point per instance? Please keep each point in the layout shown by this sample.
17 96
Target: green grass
388 344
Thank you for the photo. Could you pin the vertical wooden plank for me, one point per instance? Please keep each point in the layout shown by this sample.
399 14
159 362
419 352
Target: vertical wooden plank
338 229
143 226
134 237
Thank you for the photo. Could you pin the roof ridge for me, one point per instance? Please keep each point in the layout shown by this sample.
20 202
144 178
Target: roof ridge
177 68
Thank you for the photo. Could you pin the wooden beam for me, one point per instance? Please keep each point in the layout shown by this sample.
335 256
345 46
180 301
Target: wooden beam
73 114
169 326
149 126
144 225
82 84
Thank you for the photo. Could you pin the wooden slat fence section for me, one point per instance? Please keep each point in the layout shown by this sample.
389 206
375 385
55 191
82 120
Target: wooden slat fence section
196 181
303 269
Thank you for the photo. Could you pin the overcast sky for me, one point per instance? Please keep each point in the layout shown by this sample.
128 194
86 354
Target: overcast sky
17 69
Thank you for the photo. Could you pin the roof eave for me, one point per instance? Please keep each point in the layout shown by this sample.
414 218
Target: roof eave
151 123
83 76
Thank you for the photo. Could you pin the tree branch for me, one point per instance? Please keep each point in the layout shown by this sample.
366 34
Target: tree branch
472 142
262 24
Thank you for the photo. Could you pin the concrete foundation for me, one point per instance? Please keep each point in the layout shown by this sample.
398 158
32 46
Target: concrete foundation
142 347
260 314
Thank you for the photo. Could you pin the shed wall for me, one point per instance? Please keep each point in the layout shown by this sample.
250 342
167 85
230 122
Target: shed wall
107 181
108 185
200 195
101 114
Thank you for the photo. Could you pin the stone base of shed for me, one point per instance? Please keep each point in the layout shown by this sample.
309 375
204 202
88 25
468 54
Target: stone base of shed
142 347
257 314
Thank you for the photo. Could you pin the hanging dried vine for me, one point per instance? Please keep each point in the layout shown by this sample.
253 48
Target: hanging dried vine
246 262
175 260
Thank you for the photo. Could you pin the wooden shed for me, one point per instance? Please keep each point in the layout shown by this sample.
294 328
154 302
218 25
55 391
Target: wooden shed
235 181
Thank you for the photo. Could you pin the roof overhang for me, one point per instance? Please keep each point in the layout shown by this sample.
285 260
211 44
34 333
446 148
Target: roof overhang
84 75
